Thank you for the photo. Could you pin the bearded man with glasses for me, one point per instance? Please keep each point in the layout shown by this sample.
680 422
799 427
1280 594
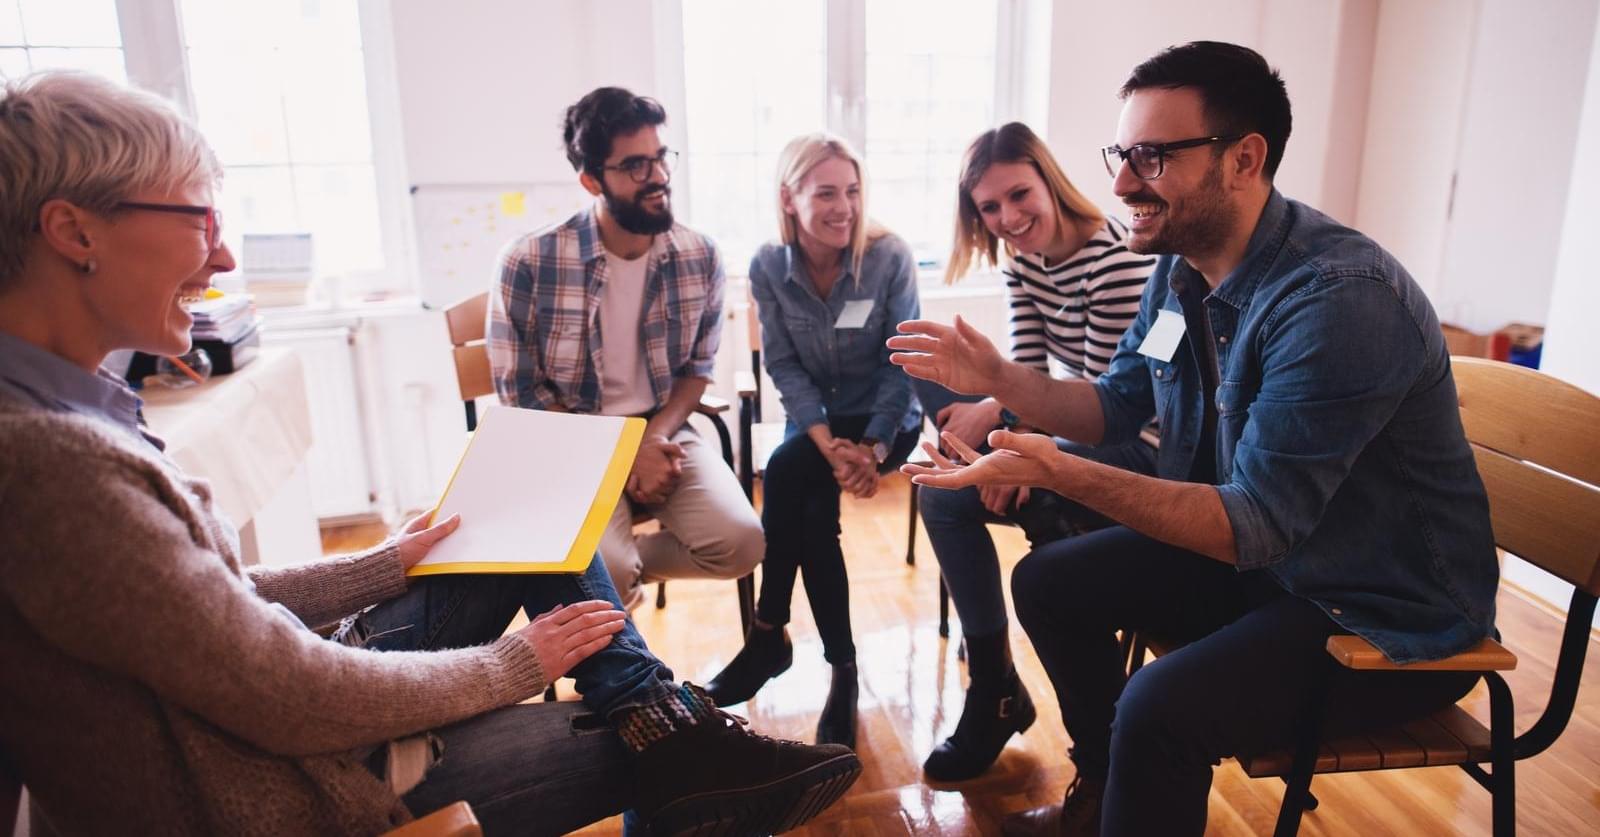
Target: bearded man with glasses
1313 477
618 311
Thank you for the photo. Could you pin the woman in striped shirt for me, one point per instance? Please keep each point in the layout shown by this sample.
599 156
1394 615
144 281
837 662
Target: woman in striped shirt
1074 287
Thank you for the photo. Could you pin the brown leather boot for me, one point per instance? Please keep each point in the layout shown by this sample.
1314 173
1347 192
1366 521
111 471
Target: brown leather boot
1077 816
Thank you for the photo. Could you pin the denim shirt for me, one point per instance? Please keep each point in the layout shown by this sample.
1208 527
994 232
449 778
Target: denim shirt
821 370
1342 463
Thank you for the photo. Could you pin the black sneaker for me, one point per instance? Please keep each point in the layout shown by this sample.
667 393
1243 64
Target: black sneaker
719 778
1077 816
767 653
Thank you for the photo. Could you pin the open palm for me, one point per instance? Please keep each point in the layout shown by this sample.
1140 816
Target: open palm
956 357
1016 459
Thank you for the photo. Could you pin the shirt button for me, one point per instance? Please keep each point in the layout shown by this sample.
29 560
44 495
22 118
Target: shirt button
1223 339
1159 371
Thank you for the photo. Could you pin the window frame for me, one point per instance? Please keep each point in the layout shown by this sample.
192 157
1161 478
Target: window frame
157 60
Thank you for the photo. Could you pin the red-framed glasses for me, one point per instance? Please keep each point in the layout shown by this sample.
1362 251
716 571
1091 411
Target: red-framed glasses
212 215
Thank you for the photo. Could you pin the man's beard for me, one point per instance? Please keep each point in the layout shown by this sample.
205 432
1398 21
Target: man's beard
1192 226
633 217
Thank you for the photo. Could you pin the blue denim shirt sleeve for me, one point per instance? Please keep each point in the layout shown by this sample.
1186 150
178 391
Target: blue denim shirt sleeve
703 358
902 303
1338 356
1127 397
802 401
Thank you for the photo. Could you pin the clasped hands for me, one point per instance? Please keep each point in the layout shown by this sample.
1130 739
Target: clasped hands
657 469
855 467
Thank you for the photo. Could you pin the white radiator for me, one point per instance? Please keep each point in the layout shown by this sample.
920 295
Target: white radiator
339 462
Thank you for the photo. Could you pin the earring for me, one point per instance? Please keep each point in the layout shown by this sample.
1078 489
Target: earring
88 267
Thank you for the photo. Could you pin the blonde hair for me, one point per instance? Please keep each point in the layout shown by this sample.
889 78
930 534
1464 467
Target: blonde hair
1012 142
90 141
799 157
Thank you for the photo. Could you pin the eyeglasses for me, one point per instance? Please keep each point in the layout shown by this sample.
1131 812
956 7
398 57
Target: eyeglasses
639 168
1149 160
212 215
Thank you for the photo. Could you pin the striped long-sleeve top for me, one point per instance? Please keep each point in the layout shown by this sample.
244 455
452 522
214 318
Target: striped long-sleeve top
1076 310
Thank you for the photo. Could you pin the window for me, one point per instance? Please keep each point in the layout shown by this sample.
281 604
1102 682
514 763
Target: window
280 91
60 34
909 83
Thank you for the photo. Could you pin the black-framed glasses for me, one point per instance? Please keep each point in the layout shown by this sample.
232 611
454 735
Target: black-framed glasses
638 169
212 215
1149 160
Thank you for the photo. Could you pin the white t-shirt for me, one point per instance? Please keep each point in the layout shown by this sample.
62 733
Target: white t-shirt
624 374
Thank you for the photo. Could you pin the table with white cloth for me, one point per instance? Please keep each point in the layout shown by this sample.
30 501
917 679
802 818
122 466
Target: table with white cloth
248 433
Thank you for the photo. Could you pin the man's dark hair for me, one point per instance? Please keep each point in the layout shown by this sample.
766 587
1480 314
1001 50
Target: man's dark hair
1241 94
599 118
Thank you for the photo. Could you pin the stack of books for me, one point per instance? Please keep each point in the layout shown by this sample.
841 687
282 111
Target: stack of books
228 328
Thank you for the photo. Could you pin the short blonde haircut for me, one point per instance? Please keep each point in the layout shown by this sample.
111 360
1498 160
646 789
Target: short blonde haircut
92 142
1012 142
799 157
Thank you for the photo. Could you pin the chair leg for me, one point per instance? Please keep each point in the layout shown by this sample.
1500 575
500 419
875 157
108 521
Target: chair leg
550 693
661 595
1503 755
944 608
747 601
1297 785
1136 652
911 530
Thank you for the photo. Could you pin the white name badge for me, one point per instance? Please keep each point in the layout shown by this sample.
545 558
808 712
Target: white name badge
1161 341
855 314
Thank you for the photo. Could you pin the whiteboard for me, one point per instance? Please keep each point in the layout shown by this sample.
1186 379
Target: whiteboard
461 229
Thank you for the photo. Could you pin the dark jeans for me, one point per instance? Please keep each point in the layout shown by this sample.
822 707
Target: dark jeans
957 520
544 768
800 514
1255 659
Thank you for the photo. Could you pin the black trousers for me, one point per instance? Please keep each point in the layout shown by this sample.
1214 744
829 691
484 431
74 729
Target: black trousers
1255 659
800 515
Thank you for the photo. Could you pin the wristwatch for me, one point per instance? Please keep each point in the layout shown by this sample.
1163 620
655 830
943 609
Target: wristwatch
880 451
1008 419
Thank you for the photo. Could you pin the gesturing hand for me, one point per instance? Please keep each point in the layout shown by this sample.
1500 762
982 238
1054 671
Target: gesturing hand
955 357
566 635
418 537
969 421
1016 459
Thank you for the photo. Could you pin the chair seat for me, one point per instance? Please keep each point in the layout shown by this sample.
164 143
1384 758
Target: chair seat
764 439
1449 736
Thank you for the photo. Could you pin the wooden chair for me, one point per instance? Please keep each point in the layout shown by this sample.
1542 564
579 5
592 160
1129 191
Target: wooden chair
1538 453
466 321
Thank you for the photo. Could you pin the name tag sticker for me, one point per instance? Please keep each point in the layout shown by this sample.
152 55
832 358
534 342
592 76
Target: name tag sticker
855 314
1161 341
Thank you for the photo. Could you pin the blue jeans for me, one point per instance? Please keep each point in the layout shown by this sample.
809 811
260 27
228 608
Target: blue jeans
529 768
956 523
1255 657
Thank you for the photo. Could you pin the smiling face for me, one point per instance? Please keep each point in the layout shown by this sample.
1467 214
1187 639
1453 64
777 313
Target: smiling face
148 265
1016 207
640 208
1186 211
826 205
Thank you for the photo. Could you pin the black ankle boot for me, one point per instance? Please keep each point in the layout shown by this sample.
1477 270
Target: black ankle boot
838 722
997 706
767 653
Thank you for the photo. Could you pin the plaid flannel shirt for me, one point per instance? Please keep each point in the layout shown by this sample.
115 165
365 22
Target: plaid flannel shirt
545 345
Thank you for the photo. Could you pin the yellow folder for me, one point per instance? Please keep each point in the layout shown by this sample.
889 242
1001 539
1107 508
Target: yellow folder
534 490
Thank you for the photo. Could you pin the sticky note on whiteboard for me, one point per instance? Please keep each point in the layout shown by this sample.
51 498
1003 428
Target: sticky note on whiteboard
513 204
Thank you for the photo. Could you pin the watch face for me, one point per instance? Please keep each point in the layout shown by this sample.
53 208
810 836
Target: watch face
1008 418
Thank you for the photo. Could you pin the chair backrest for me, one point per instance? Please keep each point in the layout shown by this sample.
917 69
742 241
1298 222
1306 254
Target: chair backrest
465 322
1537 442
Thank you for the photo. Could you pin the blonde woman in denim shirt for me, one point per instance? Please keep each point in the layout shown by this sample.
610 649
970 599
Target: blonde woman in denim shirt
829 295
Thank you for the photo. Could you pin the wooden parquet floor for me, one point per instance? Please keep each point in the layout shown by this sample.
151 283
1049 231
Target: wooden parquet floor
911 694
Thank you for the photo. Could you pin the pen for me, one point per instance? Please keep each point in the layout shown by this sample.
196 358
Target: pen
184 367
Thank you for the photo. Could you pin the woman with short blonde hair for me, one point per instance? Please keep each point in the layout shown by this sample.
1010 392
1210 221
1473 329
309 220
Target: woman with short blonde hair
829 292
155 685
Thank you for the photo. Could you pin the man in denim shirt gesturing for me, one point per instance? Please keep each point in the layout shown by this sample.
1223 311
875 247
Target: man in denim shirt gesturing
1313 476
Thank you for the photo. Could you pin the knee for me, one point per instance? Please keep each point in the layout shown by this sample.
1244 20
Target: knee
794 463
942 507
1154 717
738 547
1030 580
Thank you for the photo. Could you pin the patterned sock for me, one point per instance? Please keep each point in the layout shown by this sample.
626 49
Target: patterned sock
641 726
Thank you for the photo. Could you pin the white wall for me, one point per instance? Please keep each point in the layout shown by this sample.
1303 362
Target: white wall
1320 48
1517 141
1420 62
484 83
